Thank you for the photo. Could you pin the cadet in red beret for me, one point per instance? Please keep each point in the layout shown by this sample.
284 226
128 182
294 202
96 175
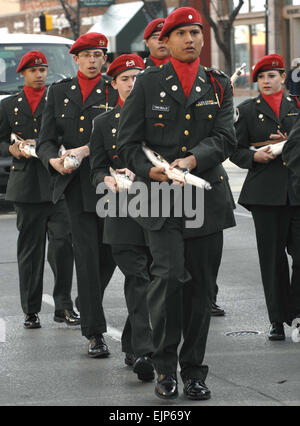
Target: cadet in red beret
270 190
89 41
30 189
35 58
267 63
184 111
124 234
179 18
72 105
125 63
159 54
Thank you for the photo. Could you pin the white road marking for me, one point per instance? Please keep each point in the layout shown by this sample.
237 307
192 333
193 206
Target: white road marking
243 215
48 299
112 332
8 216
2 331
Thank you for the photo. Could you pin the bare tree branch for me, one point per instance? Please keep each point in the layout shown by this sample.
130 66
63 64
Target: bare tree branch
235 12
223 28
73 20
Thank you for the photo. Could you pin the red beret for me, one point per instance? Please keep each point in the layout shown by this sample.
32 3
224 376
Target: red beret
153 27
268 63
35 58
89 41
124 63
180 18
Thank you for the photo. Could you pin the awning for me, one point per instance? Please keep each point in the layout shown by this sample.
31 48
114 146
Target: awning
123 24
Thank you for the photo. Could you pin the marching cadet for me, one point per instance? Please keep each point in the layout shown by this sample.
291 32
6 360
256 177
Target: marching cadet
124 234
30 189
270 190
72 105
184 112
159 53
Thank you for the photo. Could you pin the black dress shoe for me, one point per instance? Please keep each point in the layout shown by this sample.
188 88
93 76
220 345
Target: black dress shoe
276 331
98 348
129 359
32 321
144 369
196 389
166 386
216 311
68 316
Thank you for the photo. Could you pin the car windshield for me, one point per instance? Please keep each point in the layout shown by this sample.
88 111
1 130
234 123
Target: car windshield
60 62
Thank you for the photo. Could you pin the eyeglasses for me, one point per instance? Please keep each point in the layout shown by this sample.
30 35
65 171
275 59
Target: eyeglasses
96 55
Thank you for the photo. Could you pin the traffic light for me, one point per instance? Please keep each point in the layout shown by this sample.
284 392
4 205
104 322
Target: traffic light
45 22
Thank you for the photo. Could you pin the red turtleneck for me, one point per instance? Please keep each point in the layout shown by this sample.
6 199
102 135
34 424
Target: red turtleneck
120 102
159 62
274 101
87 84
34 97
186 72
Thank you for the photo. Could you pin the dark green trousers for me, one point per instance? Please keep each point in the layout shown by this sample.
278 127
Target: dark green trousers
133 262
35 223
93 261
180 297
278 232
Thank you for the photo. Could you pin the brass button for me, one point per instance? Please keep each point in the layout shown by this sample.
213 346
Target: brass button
221 178
210 116
279 127
13 167
114 146
117 115
34 119
184 149
186 132
82 117
284 164
62 116
188 117
16 123
160 116
81 130
35 130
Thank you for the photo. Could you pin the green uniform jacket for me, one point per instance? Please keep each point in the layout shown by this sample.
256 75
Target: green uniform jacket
266 184
148 62
158 113
28 181
67 121
291 151
117 230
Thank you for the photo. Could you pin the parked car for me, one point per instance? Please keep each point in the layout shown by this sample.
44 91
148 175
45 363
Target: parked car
12 48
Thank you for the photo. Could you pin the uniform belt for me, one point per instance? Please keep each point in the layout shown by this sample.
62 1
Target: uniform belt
265 143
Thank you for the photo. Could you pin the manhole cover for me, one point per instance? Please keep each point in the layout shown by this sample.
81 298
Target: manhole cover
242 333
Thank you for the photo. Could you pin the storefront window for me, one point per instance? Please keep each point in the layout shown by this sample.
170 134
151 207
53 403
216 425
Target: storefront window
249 41
292 2
251 6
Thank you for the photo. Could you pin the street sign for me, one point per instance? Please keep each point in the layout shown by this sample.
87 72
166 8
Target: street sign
95 3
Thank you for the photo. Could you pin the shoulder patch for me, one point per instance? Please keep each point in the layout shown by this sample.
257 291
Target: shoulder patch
216 72
64 80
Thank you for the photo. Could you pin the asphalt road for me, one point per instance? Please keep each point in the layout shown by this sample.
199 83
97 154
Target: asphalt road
50 366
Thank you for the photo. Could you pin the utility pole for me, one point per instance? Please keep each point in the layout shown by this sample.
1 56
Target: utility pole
267 13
